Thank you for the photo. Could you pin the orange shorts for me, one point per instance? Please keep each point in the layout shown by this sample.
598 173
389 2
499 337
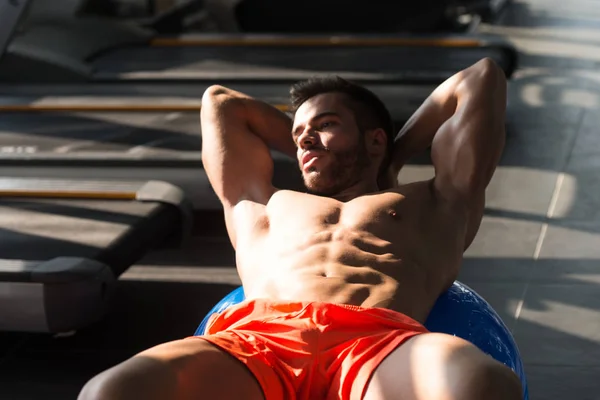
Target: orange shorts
310 350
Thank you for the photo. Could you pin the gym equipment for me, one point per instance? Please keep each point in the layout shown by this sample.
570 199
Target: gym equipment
89 50
335 16
460 312
11 13
64 243
51 125
71 56
378 59
117 145
270 16
379 16
182 17
487 10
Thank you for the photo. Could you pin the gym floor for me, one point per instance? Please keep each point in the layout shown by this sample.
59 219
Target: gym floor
536 258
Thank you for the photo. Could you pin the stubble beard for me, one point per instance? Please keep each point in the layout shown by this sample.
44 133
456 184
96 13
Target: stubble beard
343 171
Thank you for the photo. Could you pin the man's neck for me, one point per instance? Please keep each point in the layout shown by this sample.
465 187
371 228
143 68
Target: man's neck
360 188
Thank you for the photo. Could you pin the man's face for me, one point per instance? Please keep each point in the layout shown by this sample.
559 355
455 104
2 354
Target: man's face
331 150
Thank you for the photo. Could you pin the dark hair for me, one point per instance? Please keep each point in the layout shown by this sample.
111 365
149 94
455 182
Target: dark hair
369 111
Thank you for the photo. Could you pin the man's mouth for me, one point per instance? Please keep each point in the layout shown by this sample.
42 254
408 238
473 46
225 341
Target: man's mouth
310 163
309 158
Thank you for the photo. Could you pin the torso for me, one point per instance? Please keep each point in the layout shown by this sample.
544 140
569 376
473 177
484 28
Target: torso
397 249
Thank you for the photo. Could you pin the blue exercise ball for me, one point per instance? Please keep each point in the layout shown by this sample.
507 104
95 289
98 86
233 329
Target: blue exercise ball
460 311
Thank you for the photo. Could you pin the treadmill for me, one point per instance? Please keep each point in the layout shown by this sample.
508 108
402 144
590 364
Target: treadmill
132 131
100 50
91 128
64 243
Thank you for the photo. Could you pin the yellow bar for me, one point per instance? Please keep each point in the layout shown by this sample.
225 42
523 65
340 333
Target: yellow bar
317 41
98 108
109 108
48 194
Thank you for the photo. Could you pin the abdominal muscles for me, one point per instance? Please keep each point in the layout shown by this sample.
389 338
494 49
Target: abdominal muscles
336 267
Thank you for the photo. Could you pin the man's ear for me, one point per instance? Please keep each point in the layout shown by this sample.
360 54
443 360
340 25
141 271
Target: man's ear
376 141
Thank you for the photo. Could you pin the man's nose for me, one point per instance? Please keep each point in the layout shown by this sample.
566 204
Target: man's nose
307 139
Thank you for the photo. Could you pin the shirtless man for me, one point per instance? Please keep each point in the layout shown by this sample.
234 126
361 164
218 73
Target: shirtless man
338 280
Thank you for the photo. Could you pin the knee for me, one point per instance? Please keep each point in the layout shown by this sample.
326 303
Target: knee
135 378
489 380
98 388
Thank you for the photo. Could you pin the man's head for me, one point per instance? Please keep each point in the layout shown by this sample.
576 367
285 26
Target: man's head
343 131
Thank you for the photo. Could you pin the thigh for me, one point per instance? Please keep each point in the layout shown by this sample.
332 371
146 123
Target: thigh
191 368
202 367
428 366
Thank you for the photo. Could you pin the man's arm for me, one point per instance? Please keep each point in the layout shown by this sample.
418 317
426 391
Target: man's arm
463 121
237 132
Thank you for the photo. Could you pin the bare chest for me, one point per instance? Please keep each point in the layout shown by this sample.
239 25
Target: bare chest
382 231
300 212
383 222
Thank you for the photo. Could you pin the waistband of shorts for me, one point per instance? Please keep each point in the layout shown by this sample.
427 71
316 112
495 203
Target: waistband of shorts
392 314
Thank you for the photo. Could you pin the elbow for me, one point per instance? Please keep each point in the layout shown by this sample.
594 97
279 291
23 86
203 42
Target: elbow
488 68
485 75
491 75
218 95
217 100
486 80
214 91
214 94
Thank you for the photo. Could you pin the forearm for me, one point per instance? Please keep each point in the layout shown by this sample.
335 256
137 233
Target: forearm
273 126
268 123
418 132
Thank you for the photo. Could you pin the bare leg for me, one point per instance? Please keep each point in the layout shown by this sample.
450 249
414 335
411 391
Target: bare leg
180 370
437 366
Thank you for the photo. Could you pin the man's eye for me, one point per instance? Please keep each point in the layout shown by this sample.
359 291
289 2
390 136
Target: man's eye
326 124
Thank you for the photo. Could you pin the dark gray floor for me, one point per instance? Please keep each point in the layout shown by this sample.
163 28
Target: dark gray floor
536 258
